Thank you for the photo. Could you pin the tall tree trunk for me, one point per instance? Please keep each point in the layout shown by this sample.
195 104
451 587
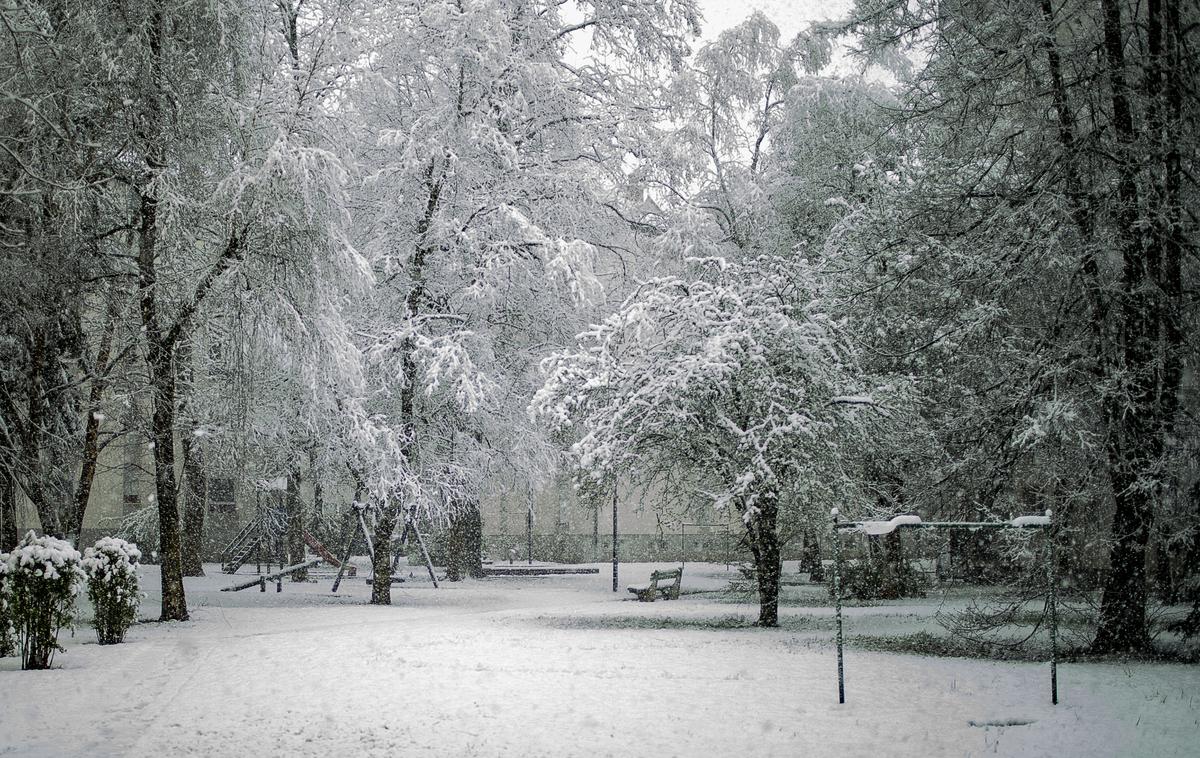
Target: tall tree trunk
381 591
170 543
473 539
295 523
32 439
195 478
195 504
160 347
160 359
763 536
464 543
8 511
91 435
1141 419
381 567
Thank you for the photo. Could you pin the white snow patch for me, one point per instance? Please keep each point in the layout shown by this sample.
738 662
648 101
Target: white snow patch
1031 521
563 667
886 527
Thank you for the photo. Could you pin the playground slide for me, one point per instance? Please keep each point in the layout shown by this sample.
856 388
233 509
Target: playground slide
327 556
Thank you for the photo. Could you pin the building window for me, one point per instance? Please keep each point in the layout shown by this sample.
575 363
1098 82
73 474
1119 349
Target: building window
221 495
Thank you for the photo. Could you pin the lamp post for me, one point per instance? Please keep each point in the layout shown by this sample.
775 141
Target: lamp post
837 599
614 509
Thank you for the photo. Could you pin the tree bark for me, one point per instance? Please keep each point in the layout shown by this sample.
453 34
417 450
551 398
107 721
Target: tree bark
318 508
455 550
295 523
464 544
811 560
8 511
381 566
1141 418
473 538
32 437
195 504
381 591
170 543
762 534
91 435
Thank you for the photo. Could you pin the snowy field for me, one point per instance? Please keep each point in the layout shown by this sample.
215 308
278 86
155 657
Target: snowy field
560 666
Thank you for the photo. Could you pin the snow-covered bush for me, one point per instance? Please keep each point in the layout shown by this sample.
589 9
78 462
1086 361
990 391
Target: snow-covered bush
6 639
876 578
43 577
111 567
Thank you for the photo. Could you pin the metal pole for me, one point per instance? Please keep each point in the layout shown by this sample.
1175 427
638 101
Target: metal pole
346 558
614 537
1052 602
362 524
424 550
682 544
837 601
258 534
529 535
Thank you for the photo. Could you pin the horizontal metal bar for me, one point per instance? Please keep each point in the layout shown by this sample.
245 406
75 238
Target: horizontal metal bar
945 525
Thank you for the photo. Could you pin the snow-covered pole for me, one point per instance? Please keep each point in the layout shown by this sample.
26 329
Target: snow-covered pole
1052 602
837 602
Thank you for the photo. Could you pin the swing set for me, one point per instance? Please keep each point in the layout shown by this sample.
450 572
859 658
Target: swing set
361 528
915 522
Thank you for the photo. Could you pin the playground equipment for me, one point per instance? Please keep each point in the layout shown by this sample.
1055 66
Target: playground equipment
262 537
915 522
327 556
277 577
410 528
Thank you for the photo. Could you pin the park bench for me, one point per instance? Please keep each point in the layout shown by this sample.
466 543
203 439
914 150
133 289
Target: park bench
669 590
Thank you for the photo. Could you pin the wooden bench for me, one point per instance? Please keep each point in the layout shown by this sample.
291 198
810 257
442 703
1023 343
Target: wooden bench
669 591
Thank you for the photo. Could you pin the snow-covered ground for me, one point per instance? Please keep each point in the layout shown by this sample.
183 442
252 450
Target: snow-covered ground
559 666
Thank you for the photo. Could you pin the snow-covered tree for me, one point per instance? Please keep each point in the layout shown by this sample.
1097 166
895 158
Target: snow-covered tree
483 151
1032 252
733 385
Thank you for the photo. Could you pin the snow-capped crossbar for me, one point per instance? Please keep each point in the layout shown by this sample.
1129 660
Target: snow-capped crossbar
915 522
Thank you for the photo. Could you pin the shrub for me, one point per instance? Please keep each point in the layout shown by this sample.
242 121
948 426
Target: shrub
877 579
43 577
111 567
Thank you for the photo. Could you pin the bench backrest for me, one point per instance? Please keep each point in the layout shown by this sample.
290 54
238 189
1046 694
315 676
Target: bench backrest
670 574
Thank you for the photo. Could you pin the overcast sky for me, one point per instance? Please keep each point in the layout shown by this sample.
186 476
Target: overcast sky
789 15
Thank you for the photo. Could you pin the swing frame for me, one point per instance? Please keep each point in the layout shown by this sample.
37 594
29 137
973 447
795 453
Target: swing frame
1022 522
410 525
